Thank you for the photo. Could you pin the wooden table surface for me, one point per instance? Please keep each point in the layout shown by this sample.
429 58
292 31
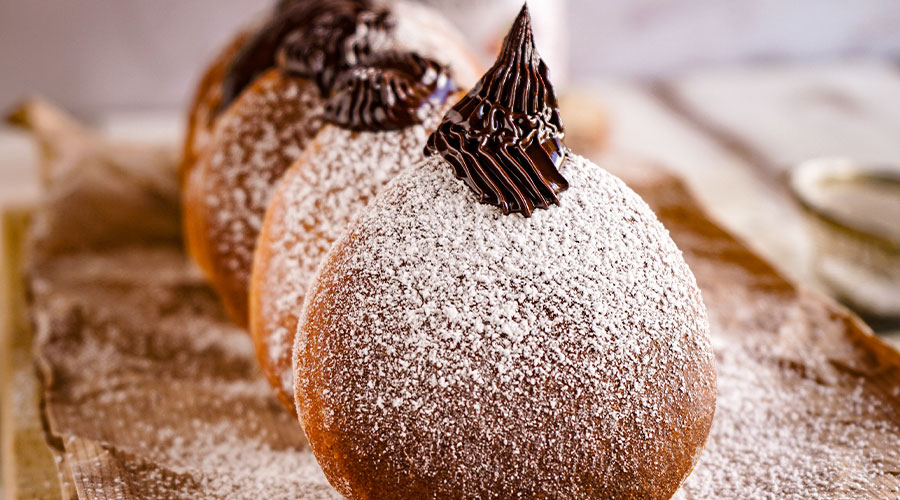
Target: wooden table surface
731 133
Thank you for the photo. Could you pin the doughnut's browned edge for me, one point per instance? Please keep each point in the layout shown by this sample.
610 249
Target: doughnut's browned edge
261 258
243 121
205 100
200 121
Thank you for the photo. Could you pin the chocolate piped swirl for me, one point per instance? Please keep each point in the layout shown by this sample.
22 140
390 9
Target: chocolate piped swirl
505 137
316 39
341 35
391 90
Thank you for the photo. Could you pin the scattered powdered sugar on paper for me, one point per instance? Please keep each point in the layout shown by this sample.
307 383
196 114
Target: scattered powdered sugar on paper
793 428
509 354
315 201
152 393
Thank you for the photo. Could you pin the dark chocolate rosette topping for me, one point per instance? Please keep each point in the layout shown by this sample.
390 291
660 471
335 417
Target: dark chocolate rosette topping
341 35
391 90
315 39
505 137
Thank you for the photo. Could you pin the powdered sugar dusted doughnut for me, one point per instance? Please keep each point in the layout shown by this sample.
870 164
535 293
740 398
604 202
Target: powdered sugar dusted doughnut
450 350
272 101
205 102
226 193
311 207
446 345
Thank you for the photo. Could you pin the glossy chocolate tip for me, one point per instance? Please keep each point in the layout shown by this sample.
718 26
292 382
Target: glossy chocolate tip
505 137
391 90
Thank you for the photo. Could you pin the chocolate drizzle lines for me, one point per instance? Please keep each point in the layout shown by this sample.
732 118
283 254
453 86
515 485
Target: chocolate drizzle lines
392 90
505 137
309 38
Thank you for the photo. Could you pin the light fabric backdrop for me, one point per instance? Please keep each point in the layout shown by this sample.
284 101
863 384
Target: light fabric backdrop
96 56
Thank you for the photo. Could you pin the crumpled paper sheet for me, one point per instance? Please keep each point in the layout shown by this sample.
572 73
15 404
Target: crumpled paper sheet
98 192
151 393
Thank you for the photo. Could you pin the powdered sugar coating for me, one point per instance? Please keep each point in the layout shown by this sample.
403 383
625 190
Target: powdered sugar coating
261 134
207 96
259 137
340 172
447 350
794 421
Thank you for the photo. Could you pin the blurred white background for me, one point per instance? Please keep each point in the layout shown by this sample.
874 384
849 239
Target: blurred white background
98 56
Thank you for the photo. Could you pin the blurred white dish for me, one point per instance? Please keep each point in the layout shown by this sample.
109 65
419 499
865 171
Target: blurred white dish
854 214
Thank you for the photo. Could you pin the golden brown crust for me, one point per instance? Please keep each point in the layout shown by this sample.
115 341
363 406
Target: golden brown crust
226 193
207 96
329 446
258 322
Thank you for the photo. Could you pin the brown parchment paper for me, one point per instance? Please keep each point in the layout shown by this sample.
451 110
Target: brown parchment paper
150 393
